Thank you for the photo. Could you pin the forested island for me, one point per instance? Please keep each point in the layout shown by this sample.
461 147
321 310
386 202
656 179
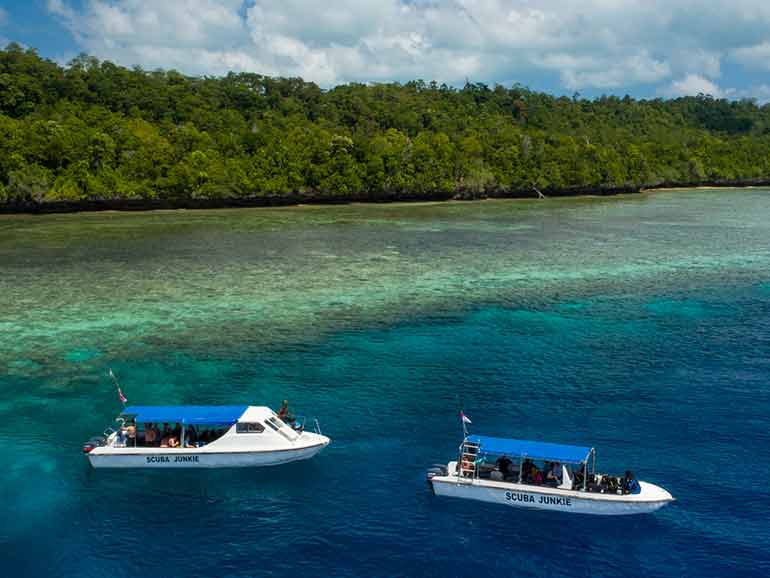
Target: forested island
96 135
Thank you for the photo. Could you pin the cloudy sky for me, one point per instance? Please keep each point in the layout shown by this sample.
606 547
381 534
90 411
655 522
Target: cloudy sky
640 47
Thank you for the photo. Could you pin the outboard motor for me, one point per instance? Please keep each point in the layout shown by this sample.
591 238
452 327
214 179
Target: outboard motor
436 470
94 442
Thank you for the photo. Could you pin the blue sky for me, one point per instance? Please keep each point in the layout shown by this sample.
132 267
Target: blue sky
645 48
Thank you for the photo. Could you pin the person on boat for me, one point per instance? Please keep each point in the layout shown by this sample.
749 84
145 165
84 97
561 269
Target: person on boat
190 436
630 484
177 431
283 413
526 467
166 431
579 475
173 442
131 433
554 473
120 439
504 464
149 435
155 434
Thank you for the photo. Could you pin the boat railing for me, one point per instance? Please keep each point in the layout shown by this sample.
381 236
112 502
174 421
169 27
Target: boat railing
300 422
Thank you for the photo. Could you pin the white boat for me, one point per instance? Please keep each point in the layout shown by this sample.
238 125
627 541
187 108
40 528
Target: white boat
207 437
477 475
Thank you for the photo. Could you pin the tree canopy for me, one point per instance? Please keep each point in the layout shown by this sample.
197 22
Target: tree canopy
93 130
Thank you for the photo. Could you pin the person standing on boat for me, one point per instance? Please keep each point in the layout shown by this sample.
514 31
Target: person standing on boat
120 440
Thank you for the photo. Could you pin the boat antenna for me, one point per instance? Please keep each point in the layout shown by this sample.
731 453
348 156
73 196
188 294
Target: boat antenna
122 397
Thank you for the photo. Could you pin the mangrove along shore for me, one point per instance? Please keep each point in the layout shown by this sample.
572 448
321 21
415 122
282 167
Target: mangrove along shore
92 135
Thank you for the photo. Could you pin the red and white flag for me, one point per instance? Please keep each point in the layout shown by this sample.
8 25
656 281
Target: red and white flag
122 397
464 418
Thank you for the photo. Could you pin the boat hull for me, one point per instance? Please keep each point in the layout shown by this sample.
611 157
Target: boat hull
649 500
188 458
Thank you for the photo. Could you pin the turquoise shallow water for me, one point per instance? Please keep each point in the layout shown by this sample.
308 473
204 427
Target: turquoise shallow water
636 324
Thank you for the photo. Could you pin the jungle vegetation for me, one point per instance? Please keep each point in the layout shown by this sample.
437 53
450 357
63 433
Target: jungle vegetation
93 130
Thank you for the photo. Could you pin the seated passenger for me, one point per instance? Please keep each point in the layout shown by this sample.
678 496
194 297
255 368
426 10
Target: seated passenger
504 464
131 433
190 436
173 442
554 473
285 416
166 431
149 435
526 467
164 441
630 484
579 476
177 431
533 473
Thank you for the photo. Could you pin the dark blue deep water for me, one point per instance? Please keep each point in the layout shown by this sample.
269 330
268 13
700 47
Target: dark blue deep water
671 380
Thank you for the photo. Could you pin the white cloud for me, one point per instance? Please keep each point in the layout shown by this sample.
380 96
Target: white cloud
755 56
760 93
581 44
692 85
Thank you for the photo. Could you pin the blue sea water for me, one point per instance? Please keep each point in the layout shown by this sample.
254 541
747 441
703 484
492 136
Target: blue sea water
667 373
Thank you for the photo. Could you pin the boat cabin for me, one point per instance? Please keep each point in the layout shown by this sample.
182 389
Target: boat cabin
197 426
528 462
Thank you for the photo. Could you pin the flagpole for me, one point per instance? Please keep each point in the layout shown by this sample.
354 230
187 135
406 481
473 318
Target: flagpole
117 385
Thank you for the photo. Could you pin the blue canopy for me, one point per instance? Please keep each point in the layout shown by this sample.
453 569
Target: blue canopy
534 450
190 414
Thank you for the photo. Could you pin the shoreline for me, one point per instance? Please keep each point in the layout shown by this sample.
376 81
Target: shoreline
299 199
